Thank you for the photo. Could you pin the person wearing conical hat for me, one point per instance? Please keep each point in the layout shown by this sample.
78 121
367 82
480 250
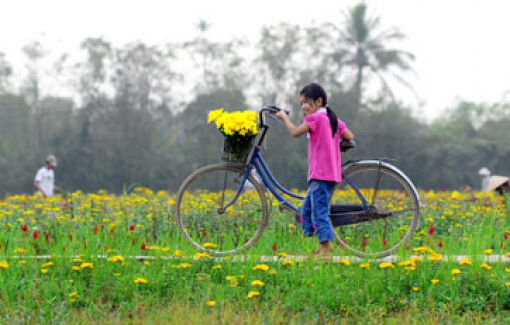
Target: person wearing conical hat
500 184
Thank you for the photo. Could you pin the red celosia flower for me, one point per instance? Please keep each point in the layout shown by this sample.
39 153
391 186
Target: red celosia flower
24 228
105 248
96 229
384 242
505 235
246 241
364 243
132 228
143 247
440 244
70 237
47 237
64 248
431 230
274 247
84 245
36 234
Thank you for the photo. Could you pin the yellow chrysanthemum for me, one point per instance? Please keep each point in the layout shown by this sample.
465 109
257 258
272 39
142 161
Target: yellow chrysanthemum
261 267
198 256
465 261
178 253
214 115
140 281
386 265
115 259
257 283
252 294
486 266
184 265
287 263
87 266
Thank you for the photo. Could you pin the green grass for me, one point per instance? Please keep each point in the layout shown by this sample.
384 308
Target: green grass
178 313
301 293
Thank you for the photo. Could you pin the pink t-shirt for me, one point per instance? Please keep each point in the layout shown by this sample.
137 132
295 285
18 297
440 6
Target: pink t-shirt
324 150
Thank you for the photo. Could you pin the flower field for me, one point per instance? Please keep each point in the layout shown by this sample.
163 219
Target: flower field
76 253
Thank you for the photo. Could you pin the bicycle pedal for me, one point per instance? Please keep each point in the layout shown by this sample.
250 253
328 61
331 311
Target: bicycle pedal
281 207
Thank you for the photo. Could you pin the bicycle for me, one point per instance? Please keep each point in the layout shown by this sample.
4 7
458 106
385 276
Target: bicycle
373 210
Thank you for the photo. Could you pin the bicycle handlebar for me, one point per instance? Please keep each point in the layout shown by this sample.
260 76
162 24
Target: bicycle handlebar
271 109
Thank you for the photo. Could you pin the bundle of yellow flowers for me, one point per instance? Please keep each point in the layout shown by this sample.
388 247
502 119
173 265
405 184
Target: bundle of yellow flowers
238 129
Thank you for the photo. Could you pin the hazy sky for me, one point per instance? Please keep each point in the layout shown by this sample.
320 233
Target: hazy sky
461 46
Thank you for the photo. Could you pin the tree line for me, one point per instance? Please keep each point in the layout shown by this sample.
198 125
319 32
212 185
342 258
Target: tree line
138 113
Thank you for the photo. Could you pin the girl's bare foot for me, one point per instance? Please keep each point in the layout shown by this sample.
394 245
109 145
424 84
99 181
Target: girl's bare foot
324 251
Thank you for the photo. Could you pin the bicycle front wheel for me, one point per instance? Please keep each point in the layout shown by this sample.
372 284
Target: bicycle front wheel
394 209
200 215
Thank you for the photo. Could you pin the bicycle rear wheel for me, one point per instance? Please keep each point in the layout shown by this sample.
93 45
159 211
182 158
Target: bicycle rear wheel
199 205
394 206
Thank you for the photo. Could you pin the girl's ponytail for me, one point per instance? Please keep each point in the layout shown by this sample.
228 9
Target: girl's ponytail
333 121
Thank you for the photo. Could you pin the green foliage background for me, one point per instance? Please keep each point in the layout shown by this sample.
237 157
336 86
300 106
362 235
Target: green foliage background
125 122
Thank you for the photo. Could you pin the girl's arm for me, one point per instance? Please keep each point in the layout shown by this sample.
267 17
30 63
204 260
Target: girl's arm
295 131
347 135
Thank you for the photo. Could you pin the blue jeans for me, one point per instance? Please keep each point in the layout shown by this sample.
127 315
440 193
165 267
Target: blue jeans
315 210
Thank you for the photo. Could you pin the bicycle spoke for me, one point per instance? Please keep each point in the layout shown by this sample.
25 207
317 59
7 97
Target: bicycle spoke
376 187
222 202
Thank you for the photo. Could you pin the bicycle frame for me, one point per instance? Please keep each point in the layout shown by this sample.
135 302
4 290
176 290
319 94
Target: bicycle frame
256 161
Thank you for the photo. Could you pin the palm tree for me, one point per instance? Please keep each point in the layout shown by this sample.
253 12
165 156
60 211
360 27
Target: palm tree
363 47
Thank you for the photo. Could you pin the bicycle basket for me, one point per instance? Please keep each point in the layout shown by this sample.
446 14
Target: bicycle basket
237 148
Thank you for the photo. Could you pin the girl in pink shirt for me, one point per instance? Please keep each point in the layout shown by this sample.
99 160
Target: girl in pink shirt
324 165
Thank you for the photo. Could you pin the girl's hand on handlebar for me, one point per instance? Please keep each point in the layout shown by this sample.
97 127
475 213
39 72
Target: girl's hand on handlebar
281 115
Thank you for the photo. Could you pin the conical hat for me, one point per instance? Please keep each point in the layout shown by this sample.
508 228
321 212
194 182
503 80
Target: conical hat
495 182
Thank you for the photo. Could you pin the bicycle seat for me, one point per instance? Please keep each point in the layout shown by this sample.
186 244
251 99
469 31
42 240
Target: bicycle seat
346 145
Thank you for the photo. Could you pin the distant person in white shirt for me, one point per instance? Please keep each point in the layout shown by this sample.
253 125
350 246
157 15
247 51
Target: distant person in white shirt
45 177
485 173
